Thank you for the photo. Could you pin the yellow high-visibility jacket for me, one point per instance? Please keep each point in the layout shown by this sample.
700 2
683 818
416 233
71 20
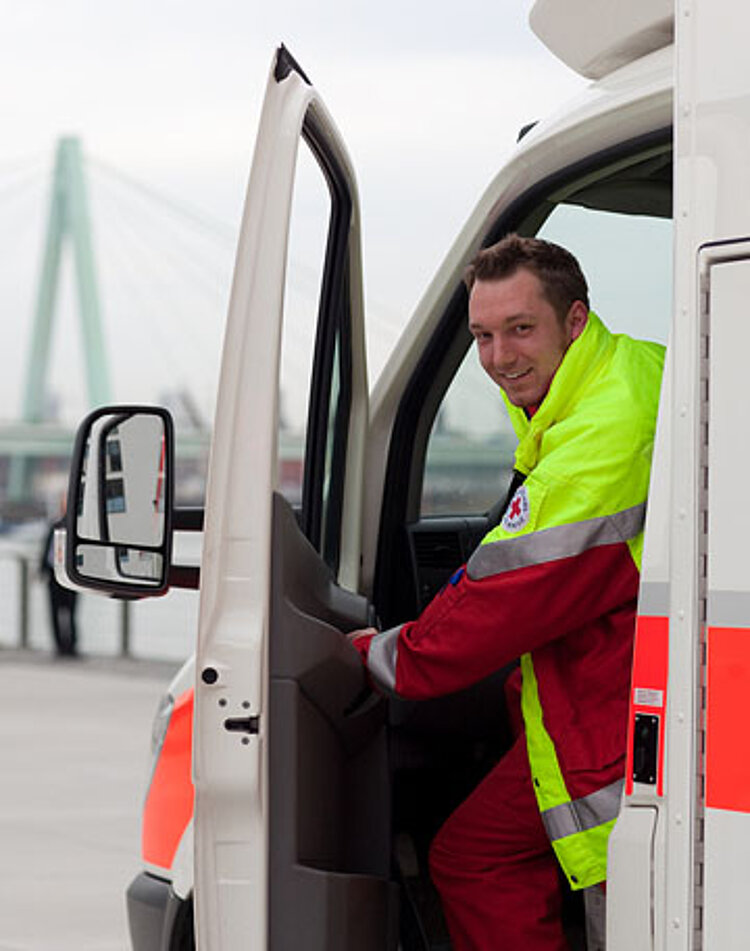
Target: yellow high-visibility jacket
556 583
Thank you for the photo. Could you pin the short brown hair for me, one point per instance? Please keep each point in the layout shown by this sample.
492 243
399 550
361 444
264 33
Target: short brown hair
558 271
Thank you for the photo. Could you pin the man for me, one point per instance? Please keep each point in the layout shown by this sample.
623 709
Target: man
62 601
555 583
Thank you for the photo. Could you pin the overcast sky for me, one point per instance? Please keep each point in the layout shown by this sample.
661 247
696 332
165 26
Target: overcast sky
429 97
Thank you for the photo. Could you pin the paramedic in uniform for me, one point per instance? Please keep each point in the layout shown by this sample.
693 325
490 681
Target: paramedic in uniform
555 583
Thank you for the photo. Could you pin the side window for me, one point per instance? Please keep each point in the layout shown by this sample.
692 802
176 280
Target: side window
308 233
627 260
470 450
332 469
314 380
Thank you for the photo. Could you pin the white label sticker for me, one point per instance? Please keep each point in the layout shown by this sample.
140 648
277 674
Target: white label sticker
517 514
647 697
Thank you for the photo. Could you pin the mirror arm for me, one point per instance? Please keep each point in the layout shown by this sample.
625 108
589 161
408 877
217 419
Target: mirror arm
187 519
184 576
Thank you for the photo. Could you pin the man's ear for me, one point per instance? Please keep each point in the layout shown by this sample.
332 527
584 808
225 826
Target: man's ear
577 319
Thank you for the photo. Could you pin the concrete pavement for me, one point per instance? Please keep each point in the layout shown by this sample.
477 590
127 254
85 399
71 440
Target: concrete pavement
74 749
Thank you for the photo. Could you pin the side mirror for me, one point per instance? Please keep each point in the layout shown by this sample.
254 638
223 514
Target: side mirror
119 517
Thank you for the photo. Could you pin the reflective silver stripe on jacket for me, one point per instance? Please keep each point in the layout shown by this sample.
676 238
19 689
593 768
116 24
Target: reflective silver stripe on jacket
552 544
586 813
382 658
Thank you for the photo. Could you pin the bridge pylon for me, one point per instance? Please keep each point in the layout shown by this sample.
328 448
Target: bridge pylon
68 222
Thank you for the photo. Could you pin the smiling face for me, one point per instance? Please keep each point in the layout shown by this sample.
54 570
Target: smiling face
520 338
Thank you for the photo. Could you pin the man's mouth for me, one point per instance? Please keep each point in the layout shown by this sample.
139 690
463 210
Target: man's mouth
515 376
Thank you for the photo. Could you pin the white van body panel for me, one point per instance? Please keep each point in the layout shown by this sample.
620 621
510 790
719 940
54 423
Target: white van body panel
705 874
182 872
726 871
694 570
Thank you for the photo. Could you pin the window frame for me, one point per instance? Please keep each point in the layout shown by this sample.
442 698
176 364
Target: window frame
333 324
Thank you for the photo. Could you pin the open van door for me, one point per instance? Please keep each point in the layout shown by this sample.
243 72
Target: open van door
291 809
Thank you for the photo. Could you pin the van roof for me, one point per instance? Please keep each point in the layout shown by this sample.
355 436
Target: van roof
595 37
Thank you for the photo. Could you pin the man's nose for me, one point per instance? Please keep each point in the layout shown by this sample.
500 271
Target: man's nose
503 356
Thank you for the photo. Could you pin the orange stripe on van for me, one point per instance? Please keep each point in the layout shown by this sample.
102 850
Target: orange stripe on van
727 707
648 694
169 804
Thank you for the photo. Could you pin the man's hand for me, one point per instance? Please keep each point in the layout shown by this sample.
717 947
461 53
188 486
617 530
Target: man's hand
354 636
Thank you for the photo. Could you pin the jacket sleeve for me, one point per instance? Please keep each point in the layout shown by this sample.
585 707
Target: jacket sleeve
516 593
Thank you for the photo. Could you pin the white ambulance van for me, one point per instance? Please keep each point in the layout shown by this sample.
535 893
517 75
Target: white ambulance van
315 800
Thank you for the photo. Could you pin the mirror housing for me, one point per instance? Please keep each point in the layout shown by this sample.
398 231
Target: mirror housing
120 498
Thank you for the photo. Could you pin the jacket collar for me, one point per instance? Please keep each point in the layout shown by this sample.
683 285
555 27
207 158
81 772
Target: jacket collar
582 362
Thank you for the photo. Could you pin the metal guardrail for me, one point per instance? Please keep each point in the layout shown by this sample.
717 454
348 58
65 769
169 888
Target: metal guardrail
22 560
23 602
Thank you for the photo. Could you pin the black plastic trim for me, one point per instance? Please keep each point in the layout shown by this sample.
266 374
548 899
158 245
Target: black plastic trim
188 519
727 243
333 322
518 209
645 748
184 576
286 64
392 546
158 920
332 538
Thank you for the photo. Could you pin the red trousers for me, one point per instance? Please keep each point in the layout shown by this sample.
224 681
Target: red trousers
495 869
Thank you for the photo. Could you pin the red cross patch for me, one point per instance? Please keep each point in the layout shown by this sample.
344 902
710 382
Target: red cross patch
517 514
